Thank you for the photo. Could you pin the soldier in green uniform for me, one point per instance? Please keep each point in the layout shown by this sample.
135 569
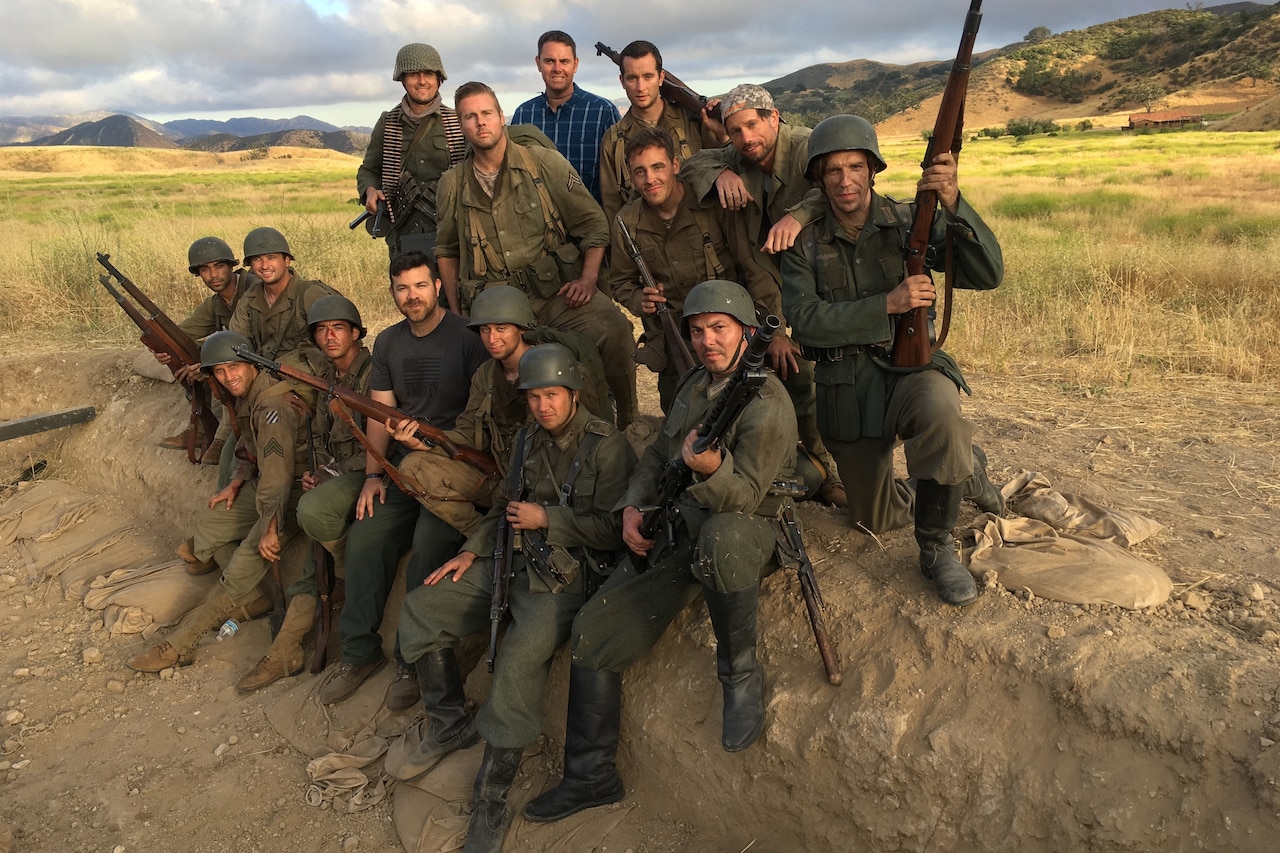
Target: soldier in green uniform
412 145
517 215
496 409
760 176
570 468
329 490
257 507
214 262
729 540
272 313
844 281
642 78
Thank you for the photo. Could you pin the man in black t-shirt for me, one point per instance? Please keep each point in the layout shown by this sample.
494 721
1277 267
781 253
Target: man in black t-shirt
422 366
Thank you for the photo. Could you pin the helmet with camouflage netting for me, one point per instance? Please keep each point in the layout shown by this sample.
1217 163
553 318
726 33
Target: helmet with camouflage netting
208 250
549 365
843 133
418 57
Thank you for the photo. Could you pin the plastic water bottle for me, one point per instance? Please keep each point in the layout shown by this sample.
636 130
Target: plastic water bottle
228 629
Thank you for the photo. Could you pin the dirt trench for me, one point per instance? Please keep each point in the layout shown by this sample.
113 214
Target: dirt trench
1014 724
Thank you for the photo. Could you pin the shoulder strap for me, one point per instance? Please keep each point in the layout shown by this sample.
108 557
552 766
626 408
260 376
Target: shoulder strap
714 268
589 441
550 213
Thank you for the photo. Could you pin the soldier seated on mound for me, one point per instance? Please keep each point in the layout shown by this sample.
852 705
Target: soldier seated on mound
257 507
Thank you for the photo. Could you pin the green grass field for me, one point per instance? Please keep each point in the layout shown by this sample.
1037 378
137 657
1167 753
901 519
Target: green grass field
1126 256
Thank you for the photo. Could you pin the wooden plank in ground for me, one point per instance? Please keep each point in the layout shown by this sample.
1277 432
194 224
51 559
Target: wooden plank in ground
41 423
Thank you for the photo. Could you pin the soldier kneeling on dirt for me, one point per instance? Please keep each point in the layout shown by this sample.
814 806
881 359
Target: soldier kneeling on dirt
261 500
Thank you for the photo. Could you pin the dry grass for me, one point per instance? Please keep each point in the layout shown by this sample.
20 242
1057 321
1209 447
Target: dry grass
1126 256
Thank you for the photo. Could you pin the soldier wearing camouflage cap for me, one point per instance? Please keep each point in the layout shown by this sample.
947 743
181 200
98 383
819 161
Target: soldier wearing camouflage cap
574 468
844 283
215 263
249 523
760 177
413 144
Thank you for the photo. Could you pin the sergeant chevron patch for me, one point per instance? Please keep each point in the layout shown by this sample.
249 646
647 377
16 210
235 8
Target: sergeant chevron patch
273 448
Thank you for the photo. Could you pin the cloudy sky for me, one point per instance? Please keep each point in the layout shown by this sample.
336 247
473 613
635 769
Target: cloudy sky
332 59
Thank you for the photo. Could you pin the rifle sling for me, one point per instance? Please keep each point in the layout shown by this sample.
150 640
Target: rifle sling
336 406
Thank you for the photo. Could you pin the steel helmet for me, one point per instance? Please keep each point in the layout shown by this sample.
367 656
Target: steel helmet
548 365
417 57
335 307
264 241
207 250
719 297
219 348
499 303
843 133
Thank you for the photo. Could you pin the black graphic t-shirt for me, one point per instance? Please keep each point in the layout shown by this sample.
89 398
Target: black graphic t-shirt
431 375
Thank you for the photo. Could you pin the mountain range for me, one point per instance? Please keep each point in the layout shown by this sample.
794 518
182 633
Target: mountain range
1221 59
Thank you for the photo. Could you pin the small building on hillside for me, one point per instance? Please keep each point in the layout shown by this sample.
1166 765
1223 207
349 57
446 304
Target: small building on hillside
1169 118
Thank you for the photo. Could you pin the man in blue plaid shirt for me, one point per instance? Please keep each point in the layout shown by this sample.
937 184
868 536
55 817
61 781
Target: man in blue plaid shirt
575 119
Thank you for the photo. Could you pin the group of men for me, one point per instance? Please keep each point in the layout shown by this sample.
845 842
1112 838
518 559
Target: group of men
511 249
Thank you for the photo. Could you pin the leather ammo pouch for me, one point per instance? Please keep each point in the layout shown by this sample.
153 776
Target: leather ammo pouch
540 279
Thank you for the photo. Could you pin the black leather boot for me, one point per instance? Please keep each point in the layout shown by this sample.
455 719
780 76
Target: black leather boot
733 616
590 748
449 726
936 509
979 490
490 816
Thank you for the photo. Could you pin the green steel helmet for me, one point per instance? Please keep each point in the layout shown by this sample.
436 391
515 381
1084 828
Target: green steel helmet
335 307
417 57
264 241
499 303
208 250
719 297
549 365
843 133
219 348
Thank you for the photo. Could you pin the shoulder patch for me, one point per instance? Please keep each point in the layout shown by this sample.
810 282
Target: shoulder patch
272 417
574 179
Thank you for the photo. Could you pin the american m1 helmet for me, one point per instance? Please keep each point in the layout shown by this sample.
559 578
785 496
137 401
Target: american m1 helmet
219 348
549 365
843 133
264 241
499 303
335 307
719 297
208 250
418 57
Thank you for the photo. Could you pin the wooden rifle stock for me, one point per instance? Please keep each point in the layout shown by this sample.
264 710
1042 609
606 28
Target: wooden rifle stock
911 345
371 408
673 89
505 545
161 335
677 349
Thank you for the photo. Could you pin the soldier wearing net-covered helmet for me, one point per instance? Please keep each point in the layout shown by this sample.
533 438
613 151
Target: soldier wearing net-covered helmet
412 145
844 282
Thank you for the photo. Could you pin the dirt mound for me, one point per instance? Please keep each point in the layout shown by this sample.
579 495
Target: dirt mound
1016 723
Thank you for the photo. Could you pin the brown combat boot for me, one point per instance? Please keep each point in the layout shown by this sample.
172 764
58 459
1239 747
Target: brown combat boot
176 442
284 658
179 647
214 452
195 566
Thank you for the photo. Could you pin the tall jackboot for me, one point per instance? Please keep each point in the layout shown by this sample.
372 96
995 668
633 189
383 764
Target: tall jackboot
590 748
449 725
733 616
936 509
179 647
979 490
284 658
490 816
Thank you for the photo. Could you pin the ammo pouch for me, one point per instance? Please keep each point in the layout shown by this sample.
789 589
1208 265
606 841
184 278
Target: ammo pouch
540 279
552 565
468 290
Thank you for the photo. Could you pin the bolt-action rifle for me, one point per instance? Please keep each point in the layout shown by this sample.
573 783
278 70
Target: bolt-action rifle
163 336
677 350
911 346
733 400
505 545
673 89
371 408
